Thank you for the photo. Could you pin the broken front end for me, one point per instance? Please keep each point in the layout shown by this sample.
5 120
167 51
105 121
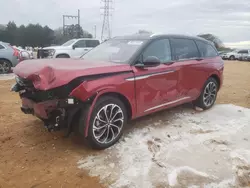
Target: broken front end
55 107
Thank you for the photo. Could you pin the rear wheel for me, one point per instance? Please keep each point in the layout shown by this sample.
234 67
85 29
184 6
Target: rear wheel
5 66
107 122
208 96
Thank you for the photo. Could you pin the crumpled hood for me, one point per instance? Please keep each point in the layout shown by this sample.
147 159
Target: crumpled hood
50 73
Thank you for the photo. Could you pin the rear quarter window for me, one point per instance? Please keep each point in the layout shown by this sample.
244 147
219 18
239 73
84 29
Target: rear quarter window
206 50
1 47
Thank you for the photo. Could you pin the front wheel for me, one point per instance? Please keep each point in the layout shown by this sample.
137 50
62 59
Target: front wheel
107 122
232 57
208 95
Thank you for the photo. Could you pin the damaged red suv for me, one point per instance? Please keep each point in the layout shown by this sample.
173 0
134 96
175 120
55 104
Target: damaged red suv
121 79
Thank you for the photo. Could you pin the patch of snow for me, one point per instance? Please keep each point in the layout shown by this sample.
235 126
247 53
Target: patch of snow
189 144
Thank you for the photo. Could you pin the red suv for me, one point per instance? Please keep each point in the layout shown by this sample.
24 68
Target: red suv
121 79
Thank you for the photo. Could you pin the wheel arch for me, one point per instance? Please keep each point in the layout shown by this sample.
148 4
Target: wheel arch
217 78
62 54
7 60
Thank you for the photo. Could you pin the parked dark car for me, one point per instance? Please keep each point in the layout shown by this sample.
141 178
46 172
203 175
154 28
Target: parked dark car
121 79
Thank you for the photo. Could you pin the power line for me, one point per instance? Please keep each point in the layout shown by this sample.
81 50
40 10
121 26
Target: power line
72 17
106 29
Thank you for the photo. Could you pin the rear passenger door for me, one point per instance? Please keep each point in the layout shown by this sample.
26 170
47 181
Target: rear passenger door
187 56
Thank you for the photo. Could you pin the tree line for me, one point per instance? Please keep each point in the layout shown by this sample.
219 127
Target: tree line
35 35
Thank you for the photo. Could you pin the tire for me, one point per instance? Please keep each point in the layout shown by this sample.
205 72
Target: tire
232 57
62 56
5 66
99 135
203 101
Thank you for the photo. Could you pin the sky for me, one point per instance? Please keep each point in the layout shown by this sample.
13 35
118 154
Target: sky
227 19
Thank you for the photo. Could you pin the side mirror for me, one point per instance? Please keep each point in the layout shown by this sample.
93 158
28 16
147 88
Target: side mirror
151 61
74 46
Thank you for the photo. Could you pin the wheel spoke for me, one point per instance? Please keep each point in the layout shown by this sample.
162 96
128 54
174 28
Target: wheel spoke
111 111
119 119
119 111
113 125
100 127
99 136
99 119
105 112
105 140
113 134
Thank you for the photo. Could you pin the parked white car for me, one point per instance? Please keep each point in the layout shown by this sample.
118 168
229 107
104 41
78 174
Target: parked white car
236 54
74 48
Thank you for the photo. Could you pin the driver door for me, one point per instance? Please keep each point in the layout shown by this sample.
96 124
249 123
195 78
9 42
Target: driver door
156 87
80 48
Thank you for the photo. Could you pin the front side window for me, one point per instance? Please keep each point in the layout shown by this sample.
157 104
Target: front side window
80 44
183 49
114 50
160 49
1 47
206 50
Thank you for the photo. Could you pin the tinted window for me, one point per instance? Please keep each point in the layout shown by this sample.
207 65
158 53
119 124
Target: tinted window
243 52
81 44
1 47
206 50
92 43
160 49
184 49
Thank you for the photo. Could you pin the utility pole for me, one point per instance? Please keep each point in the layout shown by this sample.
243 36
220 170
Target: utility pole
73 17
106 30
95 31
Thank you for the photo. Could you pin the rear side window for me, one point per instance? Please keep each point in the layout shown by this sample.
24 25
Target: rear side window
184 49
92 43
1 47
206 50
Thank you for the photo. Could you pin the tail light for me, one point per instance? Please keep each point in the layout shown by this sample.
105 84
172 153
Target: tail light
16 52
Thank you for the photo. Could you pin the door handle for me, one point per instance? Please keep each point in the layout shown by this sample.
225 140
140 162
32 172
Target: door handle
199 59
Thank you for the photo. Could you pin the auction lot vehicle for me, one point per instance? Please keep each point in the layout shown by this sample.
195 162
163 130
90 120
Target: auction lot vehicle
235 55
74 48
119 80
9 57
244 56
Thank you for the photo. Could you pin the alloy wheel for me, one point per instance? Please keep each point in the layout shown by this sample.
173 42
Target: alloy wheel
4 67
108 123
209 94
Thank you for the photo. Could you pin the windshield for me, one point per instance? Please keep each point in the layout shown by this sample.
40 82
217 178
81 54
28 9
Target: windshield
69 42
114 50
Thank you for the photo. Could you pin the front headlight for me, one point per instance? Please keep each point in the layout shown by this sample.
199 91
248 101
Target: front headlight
51 52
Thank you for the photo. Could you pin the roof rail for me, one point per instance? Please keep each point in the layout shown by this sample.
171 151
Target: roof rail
155 34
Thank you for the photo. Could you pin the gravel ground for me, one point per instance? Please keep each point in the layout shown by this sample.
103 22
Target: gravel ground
32 157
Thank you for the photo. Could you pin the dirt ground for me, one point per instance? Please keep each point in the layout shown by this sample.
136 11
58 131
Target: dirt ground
32 157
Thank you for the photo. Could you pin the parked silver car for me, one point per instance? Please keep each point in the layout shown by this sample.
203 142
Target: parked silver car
9 57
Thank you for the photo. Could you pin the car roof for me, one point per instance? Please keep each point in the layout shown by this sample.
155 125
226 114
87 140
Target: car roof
155 36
